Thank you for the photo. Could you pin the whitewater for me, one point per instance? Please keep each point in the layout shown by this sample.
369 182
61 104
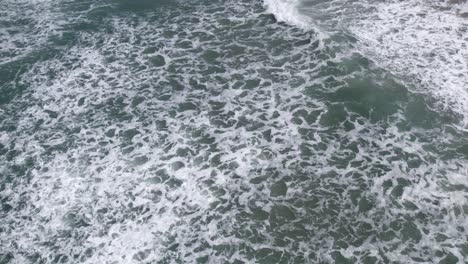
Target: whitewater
424 43
222 131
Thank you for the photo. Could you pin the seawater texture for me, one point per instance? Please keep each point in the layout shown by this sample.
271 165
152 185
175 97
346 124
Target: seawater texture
215 132
424 43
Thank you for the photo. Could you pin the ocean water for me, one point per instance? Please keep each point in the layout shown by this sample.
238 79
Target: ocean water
222 131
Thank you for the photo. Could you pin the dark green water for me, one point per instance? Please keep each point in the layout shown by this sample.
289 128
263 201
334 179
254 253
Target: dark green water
153 131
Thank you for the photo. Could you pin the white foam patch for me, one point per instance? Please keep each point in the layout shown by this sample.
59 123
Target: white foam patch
424 43
286 11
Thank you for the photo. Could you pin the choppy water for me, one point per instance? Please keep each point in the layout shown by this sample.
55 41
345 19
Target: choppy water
221 131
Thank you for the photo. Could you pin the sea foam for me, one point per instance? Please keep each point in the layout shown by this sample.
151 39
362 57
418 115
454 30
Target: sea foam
286 11
422 43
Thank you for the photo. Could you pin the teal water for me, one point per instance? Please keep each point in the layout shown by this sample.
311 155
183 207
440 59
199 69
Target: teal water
221 131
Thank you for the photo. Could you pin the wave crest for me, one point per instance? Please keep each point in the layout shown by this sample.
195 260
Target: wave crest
287 11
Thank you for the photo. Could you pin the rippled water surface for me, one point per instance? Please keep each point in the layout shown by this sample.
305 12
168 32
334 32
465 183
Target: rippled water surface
221 131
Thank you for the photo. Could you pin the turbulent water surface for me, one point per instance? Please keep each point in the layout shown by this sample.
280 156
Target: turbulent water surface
222 131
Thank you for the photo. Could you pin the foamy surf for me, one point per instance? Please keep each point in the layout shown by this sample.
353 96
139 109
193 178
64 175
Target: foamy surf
423 43
207 132
286 11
